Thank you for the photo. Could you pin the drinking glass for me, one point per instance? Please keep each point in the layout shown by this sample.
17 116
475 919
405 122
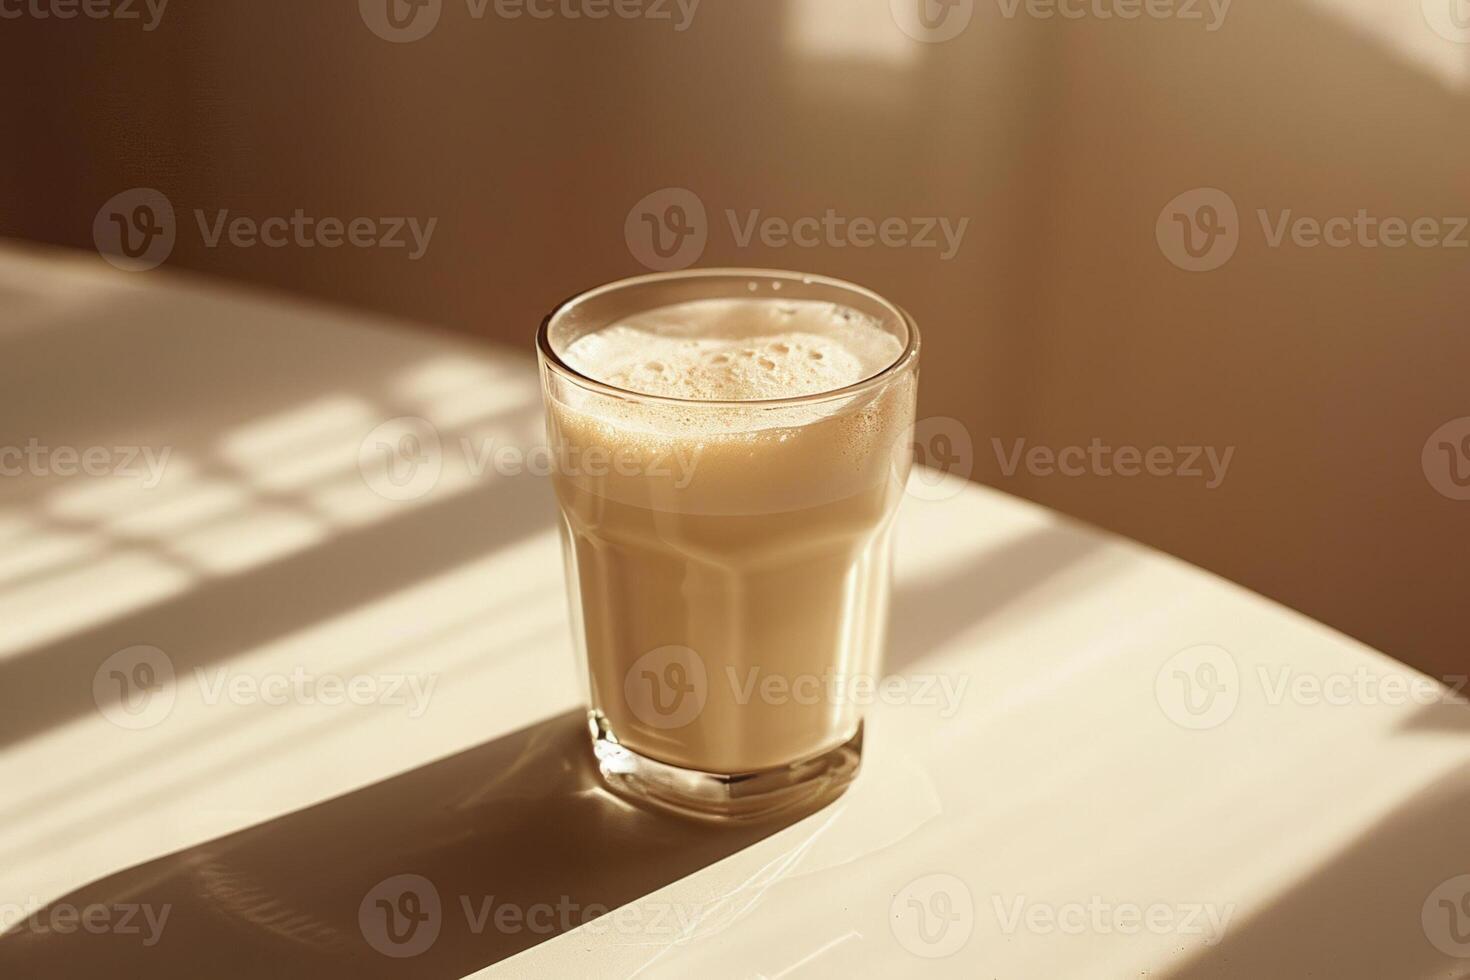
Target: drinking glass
728 562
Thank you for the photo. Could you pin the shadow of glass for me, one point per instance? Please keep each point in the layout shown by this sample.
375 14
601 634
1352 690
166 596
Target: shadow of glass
436 872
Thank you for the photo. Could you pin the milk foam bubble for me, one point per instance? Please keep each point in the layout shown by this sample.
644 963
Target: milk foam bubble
736 350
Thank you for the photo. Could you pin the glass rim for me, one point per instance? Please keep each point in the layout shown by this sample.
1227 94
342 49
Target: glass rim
550 358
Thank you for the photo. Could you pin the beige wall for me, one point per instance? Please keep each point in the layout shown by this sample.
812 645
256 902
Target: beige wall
1059 320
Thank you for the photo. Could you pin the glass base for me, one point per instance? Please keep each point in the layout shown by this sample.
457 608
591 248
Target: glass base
808 783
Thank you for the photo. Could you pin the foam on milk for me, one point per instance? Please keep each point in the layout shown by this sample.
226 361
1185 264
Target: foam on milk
736 350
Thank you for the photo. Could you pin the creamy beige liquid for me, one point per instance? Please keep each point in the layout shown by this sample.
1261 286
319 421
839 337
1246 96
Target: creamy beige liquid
730 564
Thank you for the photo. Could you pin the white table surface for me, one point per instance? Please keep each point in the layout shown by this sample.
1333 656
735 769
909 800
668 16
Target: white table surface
1069 818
